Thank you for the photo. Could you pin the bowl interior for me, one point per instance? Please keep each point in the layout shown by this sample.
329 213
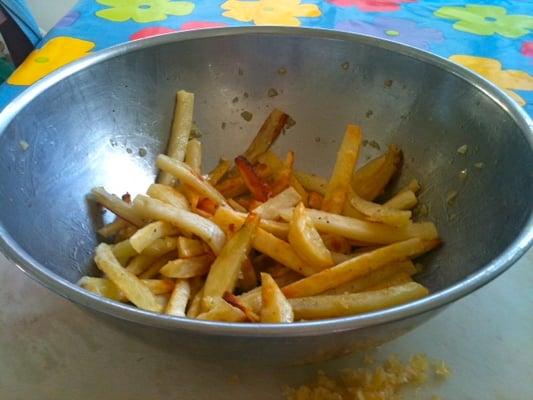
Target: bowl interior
91 129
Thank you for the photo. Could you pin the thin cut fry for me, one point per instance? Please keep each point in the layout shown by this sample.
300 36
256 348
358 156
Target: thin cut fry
234 186
184 220
184 268
161 246
330 306
186 175
178 299
226 218
404 200
270 209
247 276
123 251
397 279
154 269
106 288
275 308
193 156
109 230
339 183
284 175
238 303
117 206
132 287
140 263
312 182
194 307
381 213
267 135
224 272
181 129
218 172
221 310
168 195
236 206
145 236
306 242
255 184
189 247
358 266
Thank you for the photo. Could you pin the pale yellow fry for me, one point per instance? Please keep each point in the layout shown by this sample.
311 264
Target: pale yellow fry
145 236
189 247
275 308
264 242
186 221
306 241
194 307
397 279
404 200
381 213
181 129
219 171
312 182
221 310
178 299
109 230
168 195
331 306
154 269
104 287
186 175
366 282
363 231
356 267
193 156
140 263
227 218
286 199
123 251
413 186
117 206
224 271
339 182
252 299
132 287
162 300
161 246
187 267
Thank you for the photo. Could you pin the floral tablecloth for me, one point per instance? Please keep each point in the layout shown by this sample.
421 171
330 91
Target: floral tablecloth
492 37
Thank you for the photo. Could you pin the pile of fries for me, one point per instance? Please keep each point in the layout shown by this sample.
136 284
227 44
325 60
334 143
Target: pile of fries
258 241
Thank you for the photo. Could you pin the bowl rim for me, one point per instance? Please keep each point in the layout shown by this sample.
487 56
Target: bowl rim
73 292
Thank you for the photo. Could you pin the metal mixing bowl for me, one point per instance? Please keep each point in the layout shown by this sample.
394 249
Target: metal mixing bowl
86 124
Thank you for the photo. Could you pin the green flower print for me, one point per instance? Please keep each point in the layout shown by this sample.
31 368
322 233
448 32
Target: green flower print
487 20
143 11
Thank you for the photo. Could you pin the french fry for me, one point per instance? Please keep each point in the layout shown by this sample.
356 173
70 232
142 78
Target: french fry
358 266
397 279
186 175
315 200
193 310
238 303
339 183
275 308
123 251
219 172
330 306
234 186
117 206
252 299
161 246
145 236
154 269
109 230
312 182
286 199
366 282
104 287
126 233
404 200
306 241
365 232
258 187
283 177
224 271
236 206
247 276
184 268
181 129
132 287
168 195
370 180
221 310
264 242
193 156
177 303
206 206
189 247
267 135
381 213
228 218
336 244
182 219
140 263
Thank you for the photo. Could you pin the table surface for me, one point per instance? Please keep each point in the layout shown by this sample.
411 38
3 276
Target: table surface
52 349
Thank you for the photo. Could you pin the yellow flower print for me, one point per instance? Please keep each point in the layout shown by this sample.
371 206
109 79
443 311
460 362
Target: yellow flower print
54 54
270 12
491 69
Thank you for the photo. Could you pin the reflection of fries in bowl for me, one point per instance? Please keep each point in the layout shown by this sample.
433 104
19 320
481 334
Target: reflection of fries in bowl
276 222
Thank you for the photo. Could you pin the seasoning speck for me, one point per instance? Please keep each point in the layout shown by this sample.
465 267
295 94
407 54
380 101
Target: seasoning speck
369 113
247 116
388 83
345 65
113 142
272 92
129 151
223 125
282 71
142 152
374 145
450 197
463 149
235 379
423 210
245 95
235 100
317 139
479 165
290 123
365 142
463 174
240 72
24 145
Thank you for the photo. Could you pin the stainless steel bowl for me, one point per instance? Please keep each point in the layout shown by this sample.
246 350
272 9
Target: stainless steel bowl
86 124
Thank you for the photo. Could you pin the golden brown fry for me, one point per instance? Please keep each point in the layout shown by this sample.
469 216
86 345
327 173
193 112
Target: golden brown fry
140 263
339 183
221 310
270 209
234 186
206 206
147 235
190 247
193 156
330 306
194 307
264 242
184 220
118 206
236 206
284 175
397 279
247 276
154 269
224 272
132 287
104 287
306 242
177 303
257 186
336 244
315 200
161 246
267 135
219 172
186 175
227 218
123 251
181 129
365 232
168 195
404 200
358 266
312 182
381 213
238 303
275 308
184 268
